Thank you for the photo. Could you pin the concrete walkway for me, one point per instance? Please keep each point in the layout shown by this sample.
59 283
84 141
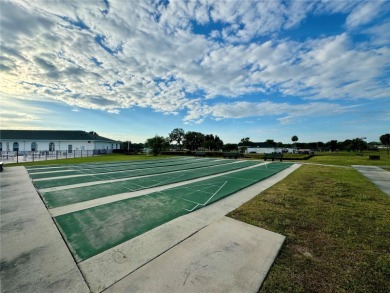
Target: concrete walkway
378 176
33 255
226 256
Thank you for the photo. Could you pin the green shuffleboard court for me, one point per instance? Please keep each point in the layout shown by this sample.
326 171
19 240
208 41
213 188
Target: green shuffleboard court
83 169
61 167
64 197
91 231
77 179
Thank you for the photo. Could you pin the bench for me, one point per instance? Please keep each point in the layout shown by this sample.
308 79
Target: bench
1 166
374 157
273 156
231 155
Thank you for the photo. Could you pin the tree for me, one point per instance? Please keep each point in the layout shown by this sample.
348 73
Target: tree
373 145
244 143
157 144
333 145
294 139
385 140
212 142
130 147
193 140
347 145
271 142
245 140
93 133
177 135
230 147
358 144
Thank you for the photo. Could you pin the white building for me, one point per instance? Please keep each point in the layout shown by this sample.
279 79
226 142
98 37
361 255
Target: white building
68 141
264 148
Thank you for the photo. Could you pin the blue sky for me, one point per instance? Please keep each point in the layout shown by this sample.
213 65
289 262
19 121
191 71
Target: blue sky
261 69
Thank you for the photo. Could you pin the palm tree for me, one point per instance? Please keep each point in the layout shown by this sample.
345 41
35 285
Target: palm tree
294 139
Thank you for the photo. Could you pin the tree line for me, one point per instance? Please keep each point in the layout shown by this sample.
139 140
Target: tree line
192 141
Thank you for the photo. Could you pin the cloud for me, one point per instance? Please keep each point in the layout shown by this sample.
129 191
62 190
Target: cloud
364 13
16 112
176 57
239 110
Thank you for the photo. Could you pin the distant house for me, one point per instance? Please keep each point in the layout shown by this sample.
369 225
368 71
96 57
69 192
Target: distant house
68 141
263 148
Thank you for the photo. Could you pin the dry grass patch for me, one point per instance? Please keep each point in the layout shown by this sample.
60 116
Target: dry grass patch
337 226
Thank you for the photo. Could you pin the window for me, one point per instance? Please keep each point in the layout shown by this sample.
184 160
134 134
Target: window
70 148
34 147
51 147
1 146
16 147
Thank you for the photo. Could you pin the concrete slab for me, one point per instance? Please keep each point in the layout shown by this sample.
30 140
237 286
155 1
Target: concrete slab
376 175
226 256
106 268
33 255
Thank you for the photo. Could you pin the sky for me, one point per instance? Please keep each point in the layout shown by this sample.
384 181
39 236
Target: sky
130 70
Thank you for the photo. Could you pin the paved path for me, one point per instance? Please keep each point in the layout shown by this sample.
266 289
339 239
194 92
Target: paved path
33 255
376 175
226 256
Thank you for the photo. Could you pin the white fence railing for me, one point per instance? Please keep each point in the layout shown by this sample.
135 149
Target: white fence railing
19 157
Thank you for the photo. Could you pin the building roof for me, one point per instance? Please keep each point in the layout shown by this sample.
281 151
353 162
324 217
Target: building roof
258 145
52 135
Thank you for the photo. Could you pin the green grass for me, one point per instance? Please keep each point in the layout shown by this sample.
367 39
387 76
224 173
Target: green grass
339 158
351 158
100 158
337 229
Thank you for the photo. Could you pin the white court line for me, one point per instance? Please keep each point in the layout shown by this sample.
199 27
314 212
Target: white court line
203 204
159 183
200 190
215 193
192 208
191 192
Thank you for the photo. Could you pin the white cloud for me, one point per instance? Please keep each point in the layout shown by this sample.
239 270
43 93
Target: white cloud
140 54
249 109
364 13
379 34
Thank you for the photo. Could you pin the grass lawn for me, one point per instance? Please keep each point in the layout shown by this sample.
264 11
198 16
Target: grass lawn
351 158
337 229
95 159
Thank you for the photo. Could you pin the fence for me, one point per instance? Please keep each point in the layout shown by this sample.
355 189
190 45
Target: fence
19 157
